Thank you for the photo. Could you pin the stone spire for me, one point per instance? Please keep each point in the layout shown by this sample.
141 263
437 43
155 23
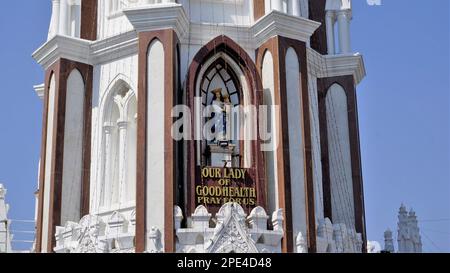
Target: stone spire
414 231
403 238
388 241
409 240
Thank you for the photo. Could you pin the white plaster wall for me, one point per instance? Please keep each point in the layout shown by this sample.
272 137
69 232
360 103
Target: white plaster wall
73 148
105 75
232 12
110 24
271 162
155 139
316 149
340 158
296 143
224 12
48 163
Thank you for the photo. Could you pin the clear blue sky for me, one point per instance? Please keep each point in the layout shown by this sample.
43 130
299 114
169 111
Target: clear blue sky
403 111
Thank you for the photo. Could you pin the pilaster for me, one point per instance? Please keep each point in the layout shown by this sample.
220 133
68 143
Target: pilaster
278 47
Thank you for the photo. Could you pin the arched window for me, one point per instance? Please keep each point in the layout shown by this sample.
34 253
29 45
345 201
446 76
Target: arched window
119 121
220 75
220 87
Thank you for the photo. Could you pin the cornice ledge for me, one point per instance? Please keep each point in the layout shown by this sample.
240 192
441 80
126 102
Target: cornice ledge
159 16
325 66
349 64
281 24
39 89
114 47
58 47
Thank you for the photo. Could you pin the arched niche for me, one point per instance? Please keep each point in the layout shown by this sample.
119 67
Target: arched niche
222 72
222 47
116 178
339 153
296 142
270 141
73 148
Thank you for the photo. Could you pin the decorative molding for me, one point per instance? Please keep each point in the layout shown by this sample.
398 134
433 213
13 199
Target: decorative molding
173 16
39 89
66 47
114 47
157 17
233 231
337 238
93 235
326 66
285 25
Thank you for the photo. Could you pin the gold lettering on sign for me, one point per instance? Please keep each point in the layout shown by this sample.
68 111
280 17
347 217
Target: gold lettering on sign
220 186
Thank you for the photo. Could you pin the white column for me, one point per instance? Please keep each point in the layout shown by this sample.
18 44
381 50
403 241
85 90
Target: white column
294 7
107 161
344 31
54 23
75 17
267 6
277 5
114 6
122 125
64 18
330 32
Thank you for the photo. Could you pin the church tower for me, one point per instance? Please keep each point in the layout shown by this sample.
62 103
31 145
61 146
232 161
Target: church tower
408 236
169 125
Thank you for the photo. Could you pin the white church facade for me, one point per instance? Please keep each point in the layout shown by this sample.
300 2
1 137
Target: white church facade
126 164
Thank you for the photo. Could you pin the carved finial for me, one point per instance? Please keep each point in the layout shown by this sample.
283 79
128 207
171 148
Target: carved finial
277 220
301 244
258 218
178 217
154 236
402 208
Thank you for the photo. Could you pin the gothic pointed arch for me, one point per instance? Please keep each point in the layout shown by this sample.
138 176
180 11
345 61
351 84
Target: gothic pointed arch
117 142
231 225
218 53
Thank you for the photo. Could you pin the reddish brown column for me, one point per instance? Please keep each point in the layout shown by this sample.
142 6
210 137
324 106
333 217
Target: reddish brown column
348 84
61 70
258 9
319 38
88 29
278 47
169 40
